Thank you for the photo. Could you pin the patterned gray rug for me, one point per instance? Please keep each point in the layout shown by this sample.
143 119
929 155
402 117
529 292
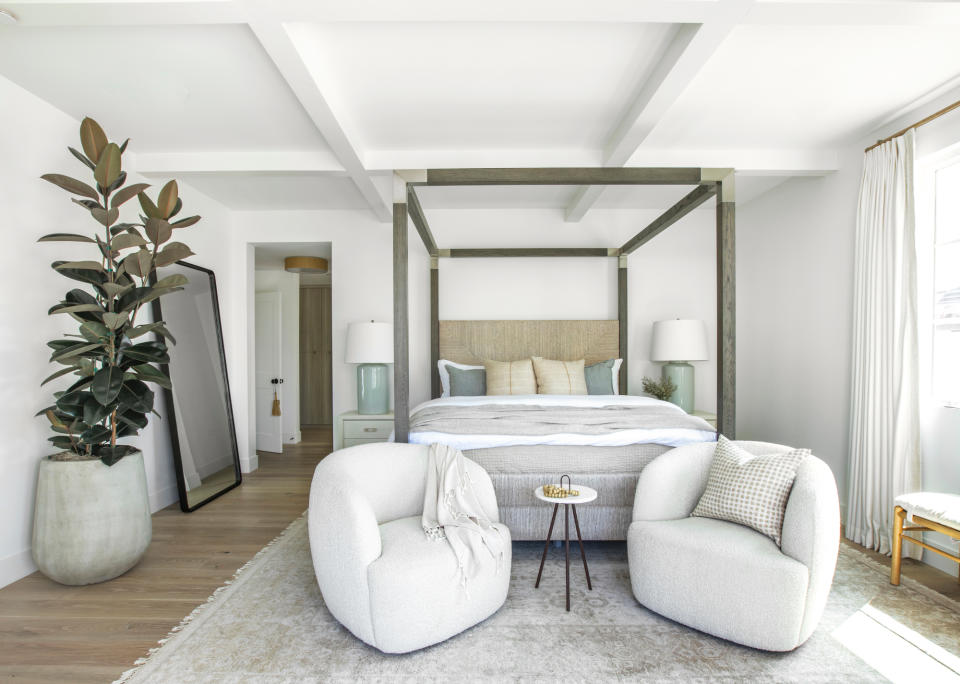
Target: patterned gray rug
270 626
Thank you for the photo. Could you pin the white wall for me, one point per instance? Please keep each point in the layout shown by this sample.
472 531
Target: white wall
33 141
672 276
795 257
288 285
794 307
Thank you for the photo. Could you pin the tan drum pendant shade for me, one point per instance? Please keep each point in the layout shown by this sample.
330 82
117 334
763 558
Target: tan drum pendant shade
305 264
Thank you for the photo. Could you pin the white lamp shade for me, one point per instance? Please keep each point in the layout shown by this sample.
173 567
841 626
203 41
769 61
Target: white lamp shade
369 342
679 340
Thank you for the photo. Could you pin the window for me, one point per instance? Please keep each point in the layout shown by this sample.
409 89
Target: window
945 380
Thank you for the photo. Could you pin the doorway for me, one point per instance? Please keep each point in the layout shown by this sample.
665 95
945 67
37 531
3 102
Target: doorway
293 343
316 356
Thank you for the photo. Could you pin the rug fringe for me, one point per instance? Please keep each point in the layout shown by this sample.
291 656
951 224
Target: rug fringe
140 662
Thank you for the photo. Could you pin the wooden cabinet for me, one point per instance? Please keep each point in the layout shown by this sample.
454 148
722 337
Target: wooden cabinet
352 428
316 370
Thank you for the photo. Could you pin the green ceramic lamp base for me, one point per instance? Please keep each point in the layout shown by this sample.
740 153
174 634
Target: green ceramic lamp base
681 373
373 389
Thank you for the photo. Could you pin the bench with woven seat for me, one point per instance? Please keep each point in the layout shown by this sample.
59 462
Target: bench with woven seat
929 512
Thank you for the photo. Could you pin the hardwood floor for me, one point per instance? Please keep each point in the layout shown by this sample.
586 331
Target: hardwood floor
53 633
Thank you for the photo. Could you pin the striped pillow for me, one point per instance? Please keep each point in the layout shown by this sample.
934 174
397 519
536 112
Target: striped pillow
510 377
559 377
750 490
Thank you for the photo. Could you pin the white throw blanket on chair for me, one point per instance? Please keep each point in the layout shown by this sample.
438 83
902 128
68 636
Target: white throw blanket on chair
452 511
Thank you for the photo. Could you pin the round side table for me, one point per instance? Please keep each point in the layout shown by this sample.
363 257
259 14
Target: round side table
569 503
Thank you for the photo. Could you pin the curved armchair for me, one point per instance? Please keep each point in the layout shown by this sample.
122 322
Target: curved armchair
379 574
727 579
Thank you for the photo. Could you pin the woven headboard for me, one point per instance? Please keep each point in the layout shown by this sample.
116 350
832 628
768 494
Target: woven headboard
474 341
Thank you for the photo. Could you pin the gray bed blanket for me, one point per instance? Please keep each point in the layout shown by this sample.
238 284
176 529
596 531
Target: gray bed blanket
521 419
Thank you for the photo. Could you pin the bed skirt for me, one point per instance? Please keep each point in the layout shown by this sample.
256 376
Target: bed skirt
613 471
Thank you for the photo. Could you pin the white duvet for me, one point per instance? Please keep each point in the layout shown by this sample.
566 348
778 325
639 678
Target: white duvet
667 436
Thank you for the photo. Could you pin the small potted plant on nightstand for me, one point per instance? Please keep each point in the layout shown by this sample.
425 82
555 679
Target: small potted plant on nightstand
92 515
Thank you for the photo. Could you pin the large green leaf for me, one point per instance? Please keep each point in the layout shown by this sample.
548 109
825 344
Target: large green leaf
96 434
183 223
94 411
92 139
61 372
83 275
106 384
154 293
121 179
158 230
115 320
65 237
175 280
71 185
149 208
83 158
128 193
115 289
175 251
94 331
167 199
108 166
138 263
144 352
149 373
79 265
157 327
136 396
109 455
104 217
75 350
67 307
138 420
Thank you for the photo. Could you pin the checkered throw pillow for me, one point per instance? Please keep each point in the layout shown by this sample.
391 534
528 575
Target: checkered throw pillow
750 490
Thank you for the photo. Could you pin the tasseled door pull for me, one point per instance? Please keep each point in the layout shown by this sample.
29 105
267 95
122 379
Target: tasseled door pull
275 411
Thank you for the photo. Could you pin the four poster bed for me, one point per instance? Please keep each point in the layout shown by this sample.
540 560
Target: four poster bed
523 441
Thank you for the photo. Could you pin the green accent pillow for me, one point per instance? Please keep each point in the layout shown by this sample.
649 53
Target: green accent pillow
467 383
600 377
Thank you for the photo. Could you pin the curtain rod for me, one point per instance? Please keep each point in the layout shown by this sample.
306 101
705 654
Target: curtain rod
935 115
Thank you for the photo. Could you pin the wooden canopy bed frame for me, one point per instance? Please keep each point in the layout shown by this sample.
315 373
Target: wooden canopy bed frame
596 340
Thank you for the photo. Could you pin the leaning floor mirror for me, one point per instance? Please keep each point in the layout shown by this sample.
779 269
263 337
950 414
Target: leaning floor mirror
199 412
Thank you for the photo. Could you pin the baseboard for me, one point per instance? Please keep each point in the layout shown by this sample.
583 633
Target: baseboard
163 498
16 566
935 560
249 463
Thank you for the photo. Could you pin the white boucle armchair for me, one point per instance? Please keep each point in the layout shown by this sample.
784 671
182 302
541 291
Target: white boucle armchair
379 574
727 579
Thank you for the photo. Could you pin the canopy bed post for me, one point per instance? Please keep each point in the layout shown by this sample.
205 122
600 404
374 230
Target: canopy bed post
435 389
401 325
726 307
622 319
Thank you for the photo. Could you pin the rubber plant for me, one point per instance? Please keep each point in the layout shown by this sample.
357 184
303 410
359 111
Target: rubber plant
112 354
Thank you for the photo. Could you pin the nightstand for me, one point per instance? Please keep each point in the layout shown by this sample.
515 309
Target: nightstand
352 428
709 417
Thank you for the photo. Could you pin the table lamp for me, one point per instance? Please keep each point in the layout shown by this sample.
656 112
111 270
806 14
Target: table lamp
371 346
677 342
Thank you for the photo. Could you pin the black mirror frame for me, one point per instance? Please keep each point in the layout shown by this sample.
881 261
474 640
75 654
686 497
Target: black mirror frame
168 399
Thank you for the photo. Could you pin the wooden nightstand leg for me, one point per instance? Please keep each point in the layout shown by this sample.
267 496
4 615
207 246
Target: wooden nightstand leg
546 545
898 516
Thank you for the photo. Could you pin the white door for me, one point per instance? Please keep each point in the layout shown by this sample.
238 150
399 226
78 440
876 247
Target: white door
267 339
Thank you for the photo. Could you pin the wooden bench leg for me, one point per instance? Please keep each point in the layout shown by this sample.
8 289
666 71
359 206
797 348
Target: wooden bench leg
899 514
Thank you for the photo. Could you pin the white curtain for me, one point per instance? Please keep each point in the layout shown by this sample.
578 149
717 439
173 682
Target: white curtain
884 416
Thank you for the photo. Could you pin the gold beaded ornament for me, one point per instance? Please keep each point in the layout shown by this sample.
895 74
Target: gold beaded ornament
559 491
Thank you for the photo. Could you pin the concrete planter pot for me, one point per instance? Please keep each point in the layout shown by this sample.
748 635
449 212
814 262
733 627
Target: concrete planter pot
91 522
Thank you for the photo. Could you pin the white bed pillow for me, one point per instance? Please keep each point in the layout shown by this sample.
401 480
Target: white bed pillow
445 375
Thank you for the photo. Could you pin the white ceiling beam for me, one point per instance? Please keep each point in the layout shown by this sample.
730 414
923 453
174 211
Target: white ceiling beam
748 162
884 13
686 54
281 49
232 161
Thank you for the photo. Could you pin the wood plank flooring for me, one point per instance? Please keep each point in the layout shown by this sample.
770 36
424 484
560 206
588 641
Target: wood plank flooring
53 633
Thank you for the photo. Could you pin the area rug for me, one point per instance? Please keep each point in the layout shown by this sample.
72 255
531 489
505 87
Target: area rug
270 626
